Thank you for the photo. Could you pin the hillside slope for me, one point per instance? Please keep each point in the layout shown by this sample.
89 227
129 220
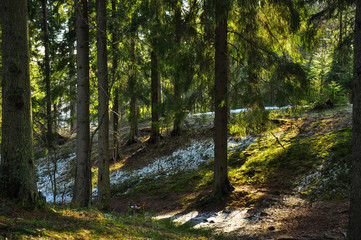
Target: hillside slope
286 179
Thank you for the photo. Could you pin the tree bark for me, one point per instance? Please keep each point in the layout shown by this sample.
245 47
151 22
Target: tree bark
49 119
72 116
103 109
133 99
115 112
155 135
72 72
115 109
256 100
221 184
354 231
177 124
17 175
82 187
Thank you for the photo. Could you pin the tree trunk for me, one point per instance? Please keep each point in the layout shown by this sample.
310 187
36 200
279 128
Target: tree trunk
49 119
133 101
133 120
155 135
115 112
341 48
103 109
354 231
221 185
72 73
72 116
55 118
82 187
17 175
256 100
115 109
177 124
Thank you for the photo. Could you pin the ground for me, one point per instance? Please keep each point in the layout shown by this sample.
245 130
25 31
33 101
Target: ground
291 182
266 212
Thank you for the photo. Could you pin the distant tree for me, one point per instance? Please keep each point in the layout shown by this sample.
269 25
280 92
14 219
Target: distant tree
177 124
17 175
155 85
115 109
155 15
103 109
221 184
253 58
82 187
354 231
72 71
132 87
47 80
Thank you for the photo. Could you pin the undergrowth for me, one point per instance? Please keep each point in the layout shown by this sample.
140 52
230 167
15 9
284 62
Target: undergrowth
303 158
296 154
68 223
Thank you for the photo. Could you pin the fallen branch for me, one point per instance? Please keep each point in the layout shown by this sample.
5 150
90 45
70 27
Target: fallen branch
278 141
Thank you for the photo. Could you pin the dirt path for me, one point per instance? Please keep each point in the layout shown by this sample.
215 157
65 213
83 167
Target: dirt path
272 216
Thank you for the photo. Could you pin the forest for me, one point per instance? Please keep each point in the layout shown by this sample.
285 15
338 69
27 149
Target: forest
180 119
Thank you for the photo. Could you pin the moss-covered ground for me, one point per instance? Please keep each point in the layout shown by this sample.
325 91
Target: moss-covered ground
305 155
44 222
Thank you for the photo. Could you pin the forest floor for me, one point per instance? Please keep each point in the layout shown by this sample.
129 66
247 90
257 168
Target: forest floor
291 182
271 210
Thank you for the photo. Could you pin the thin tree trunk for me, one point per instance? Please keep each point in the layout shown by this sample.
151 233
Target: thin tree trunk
341 53
256 100
115 109
354 231
47 80
17 175
55 117
155 135
82 187
72 73
72 116
177 124
221 184
103 109
133 101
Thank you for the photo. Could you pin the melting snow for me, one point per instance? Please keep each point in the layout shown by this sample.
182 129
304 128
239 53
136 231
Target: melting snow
324 175
64 182
188 158
227 221
239 110
191 157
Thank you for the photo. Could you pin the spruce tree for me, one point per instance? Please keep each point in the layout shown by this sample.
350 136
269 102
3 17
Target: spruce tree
47 80
82 187
17 175
354 231
103 109
221 184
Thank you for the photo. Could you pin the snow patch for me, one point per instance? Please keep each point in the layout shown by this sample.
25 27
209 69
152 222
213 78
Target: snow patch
238 111
64 180
191 157
323 178
225 221
188 158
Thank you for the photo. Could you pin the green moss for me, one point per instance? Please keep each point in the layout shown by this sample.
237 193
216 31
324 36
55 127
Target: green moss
187 181
267 163
65 223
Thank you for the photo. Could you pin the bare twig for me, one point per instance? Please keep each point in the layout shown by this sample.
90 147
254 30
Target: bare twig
278 141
